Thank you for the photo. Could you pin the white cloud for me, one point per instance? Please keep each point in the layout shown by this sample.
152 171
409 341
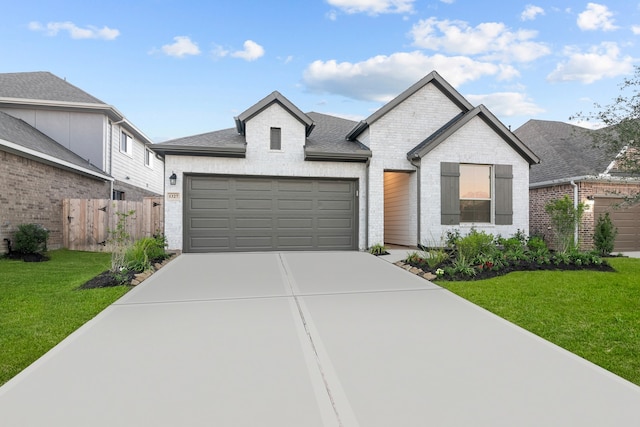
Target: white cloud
531 12
373 7
75 32
636 30
251 52
493 40
596 17
332 15
181 47
507 104
382 77
602 61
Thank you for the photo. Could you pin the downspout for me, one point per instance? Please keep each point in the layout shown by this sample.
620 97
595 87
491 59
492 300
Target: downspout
366 214
575 209
416 164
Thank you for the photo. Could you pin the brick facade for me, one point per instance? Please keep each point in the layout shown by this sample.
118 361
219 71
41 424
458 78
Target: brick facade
539 222
32 192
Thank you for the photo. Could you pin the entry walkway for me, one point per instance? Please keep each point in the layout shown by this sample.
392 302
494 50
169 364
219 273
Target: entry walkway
307 339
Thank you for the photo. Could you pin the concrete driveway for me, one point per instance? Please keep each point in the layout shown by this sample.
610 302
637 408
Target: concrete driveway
307 339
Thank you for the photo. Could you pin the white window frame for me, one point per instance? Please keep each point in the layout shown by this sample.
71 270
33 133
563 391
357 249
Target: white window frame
126 142
148 158
490 199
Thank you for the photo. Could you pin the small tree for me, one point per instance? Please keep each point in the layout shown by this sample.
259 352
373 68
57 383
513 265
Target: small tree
604 235
119 242
564 220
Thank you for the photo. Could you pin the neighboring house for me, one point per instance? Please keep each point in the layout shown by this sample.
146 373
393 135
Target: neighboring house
426 163
95 131
36 174
571 165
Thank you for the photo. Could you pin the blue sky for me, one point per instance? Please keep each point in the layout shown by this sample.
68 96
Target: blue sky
179 68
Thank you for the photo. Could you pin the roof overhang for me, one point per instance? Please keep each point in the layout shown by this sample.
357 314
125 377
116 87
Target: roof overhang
318 155
181 150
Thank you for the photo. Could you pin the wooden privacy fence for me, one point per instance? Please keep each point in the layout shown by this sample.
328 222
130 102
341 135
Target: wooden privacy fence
87 223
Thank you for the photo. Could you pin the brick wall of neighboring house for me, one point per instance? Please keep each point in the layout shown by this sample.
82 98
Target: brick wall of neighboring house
539 222
32 192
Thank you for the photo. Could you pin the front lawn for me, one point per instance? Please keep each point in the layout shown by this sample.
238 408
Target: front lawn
40 304
595 315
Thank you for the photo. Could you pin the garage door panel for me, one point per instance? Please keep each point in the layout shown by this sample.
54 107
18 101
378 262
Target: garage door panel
228 213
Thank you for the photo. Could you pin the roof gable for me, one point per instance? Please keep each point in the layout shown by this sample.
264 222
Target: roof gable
273 97
462 119
431 78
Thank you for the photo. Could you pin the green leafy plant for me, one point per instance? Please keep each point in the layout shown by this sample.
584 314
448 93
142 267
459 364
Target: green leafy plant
119 242
30 239
565 218
463 267
378 249
145 251
474 244
604 235
435 257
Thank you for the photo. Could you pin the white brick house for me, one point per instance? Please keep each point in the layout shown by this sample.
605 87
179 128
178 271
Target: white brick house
425 163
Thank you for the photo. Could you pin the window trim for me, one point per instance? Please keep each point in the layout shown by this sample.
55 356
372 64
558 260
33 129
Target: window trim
490 199
127 140
148 158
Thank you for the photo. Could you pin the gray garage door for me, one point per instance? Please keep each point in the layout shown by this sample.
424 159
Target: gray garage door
625 218
238 213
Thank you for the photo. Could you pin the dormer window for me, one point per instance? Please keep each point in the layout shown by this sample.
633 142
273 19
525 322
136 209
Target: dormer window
276 139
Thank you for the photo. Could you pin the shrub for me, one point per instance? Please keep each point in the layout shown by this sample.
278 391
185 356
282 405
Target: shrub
140 256
475 244
604 235
564 220
30 239
537 244
461 266
435 257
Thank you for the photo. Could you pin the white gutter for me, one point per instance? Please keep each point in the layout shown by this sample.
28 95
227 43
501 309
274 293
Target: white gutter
45 158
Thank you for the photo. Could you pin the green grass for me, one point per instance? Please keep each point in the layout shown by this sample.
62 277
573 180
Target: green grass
595 315
40 304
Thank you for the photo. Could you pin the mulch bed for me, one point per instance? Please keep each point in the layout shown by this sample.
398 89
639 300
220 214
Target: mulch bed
524 266
106 279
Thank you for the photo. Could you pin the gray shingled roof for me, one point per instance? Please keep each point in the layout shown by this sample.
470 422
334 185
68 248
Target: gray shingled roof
565 151
42 85
327 138
20 133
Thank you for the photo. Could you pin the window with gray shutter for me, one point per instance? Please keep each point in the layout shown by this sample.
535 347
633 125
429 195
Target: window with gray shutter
450 193
504 194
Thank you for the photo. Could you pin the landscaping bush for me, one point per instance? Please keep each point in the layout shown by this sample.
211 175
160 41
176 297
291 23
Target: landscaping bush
480 256
30 239
144 253
604 235
474 244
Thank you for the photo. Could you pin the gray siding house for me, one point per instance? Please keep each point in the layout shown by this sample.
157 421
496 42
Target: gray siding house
425 163
85 125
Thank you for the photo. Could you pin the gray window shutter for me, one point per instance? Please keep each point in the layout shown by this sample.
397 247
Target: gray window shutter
504 194
450 193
